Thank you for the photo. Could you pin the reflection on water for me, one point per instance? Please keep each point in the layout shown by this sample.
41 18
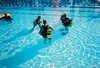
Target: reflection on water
78 48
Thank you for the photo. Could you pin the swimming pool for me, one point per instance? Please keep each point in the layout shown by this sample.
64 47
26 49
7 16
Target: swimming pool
79 48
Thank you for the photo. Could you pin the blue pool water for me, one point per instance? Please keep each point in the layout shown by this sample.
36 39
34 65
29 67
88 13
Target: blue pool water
79 48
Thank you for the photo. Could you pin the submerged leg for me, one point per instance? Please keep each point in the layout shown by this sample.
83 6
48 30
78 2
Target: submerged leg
44 40
66 28
34 26
49 40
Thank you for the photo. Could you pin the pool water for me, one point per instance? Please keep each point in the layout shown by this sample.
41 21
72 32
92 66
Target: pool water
79 48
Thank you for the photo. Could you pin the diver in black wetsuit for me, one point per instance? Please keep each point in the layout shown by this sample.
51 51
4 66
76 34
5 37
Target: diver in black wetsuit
45 31
6 16
66 21
38 22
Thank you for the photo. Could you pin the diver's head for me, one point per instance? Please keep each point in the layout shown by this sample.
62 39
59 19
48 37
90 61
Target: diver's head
64 14
44 22
39 17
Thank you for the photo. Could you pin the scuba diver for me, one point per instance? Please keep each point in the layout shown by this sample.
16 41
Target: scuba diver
37 22
6 16
66 21
46 31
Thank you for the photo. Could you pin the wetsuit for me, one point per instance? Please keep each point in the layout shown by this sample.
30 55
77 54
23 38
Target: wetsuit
65 21
44 31
37 21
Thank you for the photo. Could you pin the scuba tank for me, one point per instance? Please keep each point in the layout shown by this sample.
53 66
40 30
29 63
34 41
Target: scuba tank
49 32
71 22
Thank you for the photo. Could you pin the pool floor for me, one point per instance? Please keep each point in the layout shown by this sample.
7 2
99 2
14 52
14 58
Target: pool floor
79 48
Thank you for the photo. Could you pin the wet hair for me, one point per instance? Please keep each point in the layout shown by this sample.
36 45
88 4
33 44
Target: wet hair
39 17
44 21
64 14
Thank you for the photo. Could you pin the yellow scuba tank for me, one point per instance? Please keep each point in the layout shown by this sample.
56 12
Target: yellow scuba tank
49 33
71 22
